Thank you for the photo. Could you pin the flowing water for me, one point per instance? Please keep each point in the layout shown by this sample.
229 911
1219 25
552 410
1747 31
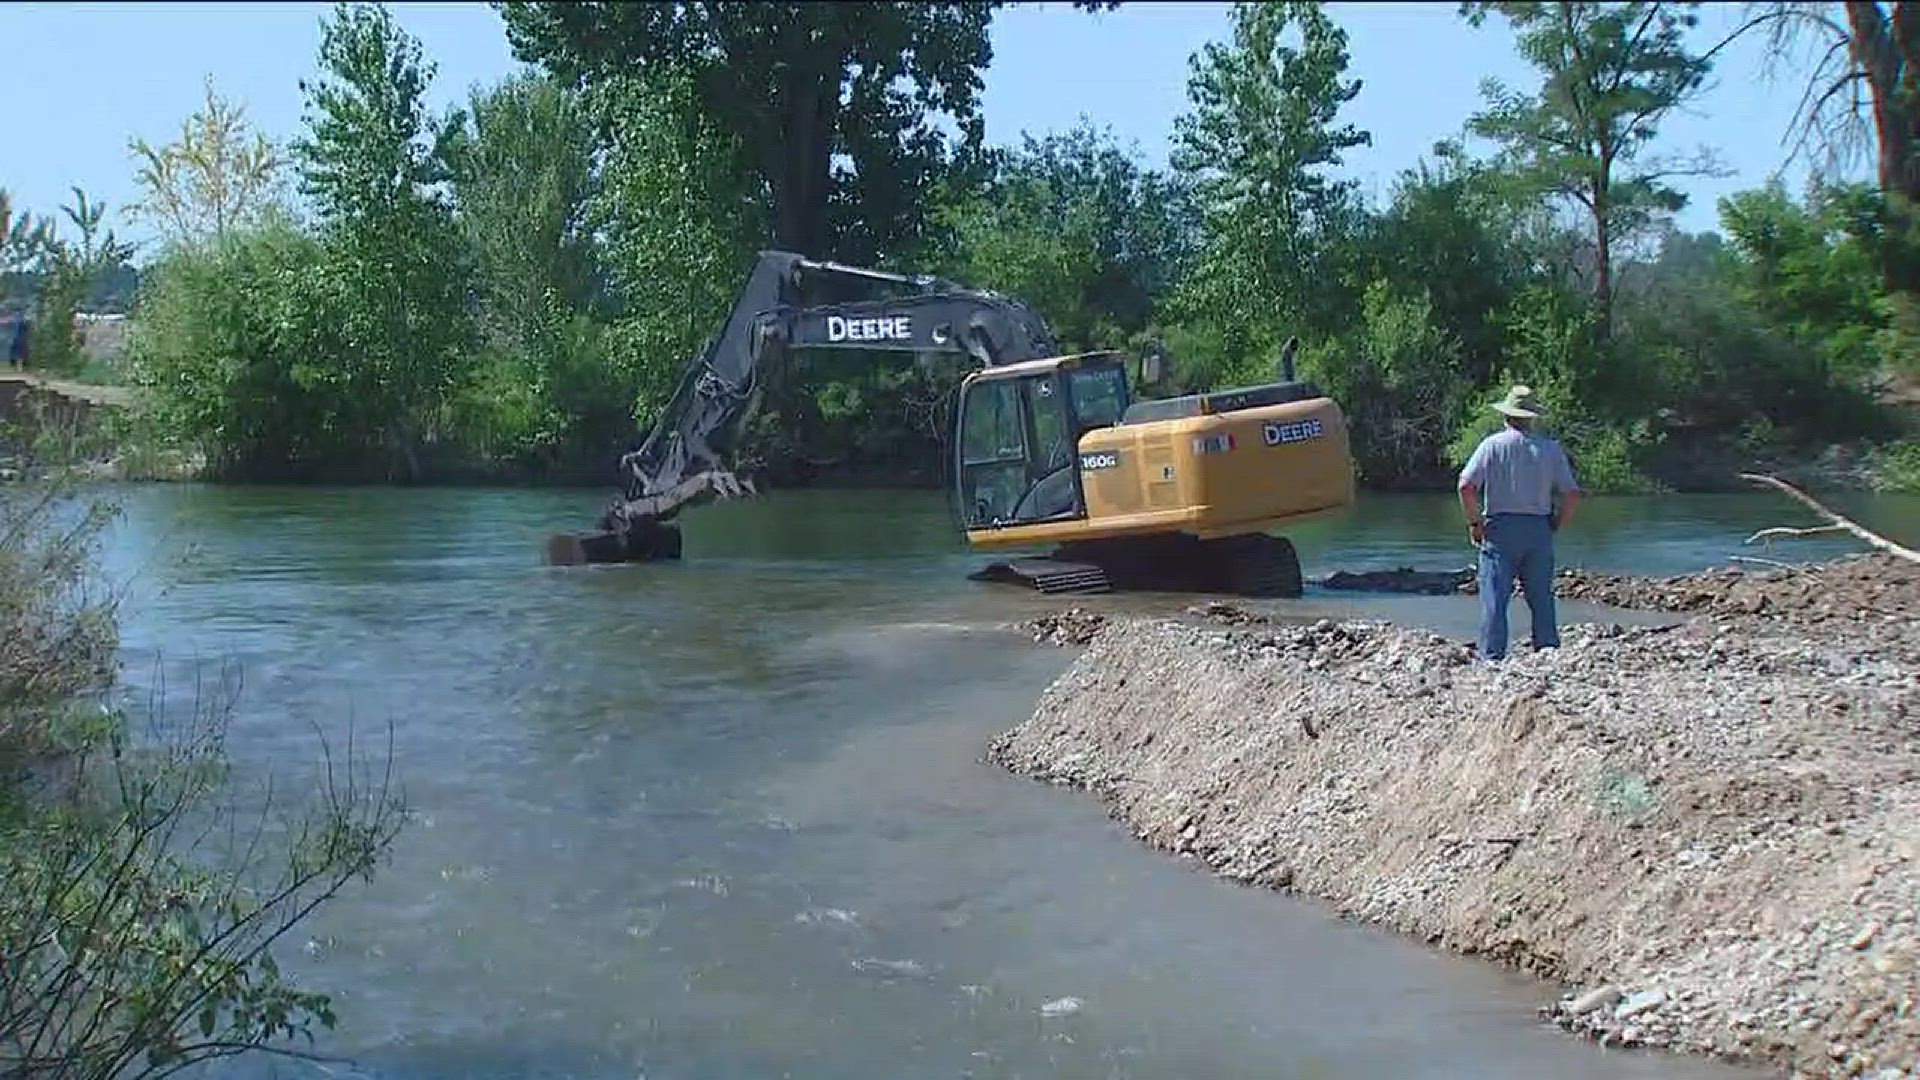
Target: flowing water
726 818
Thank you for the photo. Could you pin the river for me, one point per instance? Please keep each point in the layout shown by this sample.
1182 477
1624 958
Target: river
726 818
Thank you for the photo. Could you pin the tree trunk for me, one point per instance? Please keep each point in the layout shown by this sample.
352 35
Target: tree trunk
1878 49
1887 50
1603 261
796 154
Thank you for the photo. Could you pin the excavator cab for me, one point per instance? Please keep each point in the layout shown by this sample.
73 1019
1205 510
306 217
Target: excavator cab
1017 434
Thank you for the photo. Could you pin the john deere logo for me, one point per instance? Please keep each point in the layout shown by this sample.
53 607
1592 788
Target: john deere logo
1100 459
1300 431
888 328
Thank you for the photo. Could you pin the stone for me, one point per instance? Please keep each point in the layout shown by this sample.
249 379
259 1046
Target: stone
1598 998
1644 1001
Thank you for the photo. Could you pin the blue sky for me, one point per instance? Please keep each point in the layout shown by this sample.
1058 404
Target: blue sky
80 79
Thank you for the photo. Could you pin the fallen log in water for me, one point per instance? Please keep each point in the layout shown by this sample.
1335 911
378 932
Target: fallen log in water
1403 580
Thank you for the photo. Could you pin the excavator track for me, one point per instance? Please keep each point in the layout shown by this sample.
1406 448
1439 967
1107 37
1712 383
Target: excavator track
1050 576
1253 565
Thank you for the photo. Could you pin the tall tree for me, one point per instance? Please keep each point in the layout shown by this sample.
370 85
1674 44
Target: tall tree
1863 90
374 164
218 174
1610 73
835 105
521 163
1262 131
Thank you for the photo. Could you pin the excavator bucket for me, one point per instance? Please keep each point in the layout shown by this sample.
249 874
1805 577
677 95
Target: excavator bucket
648 541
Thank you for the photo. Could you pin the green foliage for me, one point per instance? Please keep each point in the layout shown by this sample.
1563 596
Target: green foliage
1452 231
1261 132
1398 378
1896 468
833 106
1610 73
517 288
535 397
23 237
394 263
1812 271
61 274
681 221
58 637
1075 227
230 349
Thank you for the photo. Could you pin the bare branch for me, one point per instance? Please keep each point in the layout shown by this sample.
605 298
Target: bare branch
1840 523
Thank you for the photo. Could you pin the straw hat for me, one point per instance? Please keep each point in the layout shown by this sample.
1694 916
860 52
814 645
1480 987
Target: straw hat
1520 402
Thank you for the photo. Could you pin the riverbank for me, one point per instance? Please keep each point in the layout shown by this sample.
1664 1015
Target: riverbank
1709 832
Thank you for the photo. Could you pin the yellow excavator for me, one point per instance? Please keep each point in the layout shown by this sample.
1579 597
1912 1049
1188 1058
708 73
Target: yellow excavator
1044 450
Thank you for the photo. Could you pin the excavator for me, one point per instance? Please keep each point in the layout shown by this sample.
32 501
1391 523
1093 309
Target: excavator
1043 449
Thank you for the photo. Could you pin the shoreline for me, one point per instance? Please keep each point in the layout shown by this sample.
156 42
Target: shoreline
1708 833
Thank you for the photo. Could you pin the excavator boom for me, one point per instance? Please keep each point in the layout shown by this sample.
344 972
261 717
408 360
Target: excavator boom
788 302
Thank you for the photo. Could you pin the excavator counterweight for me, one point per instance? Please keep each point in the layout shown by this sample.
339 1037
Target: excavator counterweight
1044 450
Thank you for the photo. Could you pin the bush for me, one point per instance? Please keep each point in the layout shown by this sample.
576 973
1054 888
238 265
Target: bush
231 348
1398 378
1896 468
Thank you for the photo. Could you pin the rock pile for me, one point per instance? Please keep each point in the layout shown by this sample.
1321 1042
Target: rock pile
1866 588
1071 627
1711 831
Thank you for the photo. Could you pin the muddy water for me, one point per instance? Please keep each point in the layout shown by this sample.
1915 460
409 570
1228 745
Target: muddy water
725 818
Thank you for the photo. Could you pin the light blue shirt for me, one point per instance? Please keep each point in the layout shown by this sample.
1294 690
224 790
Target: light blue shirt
1518 472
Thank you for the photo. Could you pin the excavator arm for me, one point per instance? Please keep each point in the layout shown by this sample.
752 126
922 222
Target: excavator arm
790 302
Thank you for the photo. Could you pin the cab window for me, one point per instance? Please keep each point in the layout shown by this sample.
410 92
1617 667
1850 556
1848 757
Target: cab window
1099 395
991 428
1053 446
993 452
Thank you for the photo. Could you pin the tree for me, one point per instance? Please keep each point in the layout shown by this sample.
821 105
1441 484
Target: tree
522 164
1807 271
1863 90
23 237
1610 74
834 105
681 220
1452 234
219 174
1261 131
66 272
395 265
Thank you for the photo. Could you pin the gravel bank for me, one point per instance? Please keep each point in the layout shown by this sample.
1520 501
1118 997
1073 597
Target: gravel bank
1709 832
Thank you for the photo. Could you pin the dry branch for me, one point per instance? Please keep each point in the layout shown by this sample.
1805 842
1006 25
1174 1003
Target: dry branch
1840 523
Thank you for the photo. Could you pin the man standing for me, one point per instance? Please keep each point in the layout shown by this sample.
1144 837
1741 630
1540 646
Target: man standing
1513 477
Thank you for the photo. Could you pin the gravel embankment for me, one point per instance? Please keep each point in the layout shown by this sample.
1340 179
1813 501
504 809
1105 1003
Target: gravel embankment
1710 832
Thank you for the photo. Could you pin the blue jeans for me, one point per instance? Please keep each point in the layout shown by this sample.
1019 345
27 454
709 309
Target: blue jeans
1518 546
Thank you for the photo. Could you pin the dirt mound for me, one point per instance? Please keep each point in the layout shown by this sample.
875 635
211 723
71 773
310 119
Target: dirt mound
1864 588
1713 828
